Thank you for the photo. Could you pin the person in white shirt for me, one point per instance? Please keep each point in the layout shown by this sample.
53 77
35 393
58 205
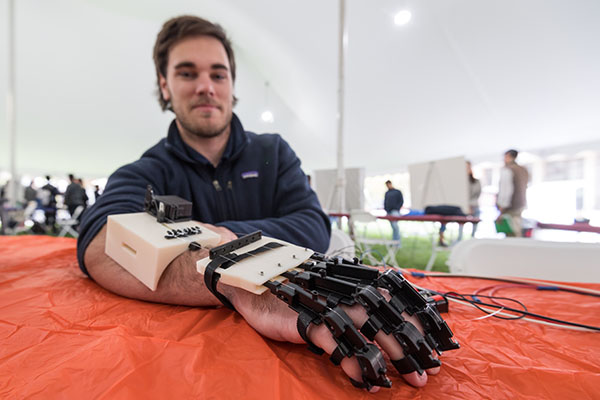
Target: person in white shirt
511 200
474 193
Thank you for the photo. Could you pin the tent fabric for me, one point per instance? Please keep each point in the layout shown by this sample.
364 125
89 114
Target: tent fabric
62 336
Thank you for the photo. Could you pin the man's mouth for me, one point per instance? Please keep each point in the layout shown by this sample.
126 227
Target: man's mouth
205 107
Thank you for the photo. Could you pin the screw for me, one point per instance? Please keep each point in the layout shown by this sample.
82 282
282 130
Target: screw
262 273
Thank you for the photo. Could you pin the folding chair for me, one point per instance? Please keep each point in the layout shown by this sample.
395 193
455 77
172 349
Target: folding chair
341 245
365 244
67 225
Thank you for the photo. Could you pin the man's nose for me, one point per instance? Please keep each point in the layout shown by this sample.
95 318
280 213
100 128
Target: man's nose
205 85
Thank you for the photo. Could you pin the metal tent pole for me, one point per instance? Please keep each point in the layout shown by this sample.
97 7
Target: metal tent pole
342 45
11 107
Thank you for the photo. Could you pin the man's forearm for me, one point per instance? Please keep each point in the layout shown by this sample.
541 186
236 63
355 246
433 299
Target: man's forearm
180 283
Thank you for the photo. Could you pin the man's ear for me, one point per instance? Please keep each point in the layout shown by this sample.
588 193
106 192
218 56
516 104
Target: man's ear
162 81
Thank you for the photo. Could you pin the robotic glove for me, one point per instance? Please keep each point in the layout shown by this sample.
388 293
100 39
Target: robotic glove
317 288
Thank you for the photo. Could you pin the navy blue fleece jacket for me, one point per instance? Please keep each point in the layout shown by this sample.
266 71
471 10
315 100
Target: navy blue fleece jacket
258 184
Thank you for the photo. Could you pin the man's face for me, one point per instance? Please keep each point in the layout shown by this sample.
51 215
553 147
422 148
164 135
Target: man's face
507 159
199 86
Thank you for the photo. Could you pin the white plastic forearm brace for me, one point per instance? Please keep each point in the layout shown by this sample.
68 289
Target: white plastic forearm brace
137 243
251 273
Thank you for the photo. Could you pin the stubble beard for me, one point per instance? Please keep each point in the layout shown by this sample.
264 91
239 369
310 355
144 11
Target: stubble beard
202 129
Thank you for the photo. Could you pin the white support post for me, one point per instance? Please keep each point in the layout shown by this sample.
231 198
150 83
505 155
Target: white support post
340 188
11 107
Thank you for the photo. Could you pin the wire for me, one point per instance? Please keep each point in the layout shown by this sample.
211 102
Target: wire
541 285
544 320
368 253
570 325
341 250
476 304
499 287
523 312
494 288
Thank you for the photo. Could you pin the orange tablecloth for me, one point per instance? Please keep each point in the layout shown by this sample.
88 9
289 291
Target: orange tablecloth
62 336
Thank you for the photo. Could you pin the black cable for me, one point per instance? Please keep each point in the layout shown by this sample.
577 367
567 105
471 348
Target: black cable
476 303
487 278
462 297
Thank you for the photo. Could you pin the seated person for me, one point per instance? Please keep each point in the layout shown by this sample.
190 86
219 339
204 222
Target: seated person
238 182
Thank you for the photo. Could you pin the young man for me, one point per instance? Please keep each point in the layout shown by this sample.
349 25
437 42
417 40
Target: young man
75 195
238 182
47 195
512 198
392 203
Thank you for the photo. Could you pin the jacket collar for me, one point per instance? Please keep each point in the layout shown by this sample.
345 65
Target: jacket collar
238 139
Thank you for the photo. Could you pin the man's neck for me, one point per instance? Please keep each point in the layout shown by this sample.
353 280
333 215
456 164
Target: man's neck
211 148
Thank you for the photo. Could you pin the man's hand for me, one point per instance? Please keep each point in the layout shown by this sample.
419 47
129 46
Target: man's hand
226 234
272 318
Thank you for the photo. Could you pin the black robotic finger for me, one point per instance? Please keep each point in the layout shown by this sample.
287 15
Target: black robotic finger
438 333
387 318
406 299
414 345
350 342
373 368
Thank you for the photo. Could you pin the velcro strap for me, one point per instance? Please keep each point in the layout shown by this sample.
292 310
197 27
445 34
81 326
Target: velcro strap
302 324
211 277
407 365
340 353
361 385
370 328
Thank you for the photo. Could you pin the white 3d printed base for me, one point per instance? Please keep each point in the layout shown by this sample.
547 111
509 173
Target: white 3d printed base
250 273
137 243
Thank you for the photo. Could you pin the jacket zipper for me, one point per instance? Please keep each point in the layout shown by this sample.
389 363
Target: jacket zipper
234 208
219 191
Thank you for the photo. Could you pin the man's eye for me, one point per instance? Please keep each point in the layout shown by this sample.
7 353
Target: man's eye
219 77
185 74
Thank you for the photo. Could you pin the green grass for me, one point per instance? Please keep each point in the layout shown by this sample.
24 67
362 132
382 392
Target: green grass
416 244
414 253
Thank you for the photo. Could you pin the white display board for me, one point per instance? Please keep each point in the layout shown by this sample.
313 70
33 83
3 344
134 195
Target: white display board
324 181
440 182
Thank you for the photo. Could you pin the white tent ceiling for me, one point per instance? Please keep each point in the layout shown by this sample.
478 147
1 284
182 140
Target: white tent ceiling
464 77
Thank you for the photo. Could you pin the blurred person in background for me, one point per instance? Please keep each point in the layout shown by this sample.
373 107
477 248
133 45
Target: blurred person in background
30 193
96 192
47 200
512 198
474 193
82 193
75 195
392 204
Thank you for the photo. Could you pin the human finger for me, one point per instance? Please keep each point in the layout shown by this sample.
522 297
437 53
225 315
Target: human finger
321 337
391 345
